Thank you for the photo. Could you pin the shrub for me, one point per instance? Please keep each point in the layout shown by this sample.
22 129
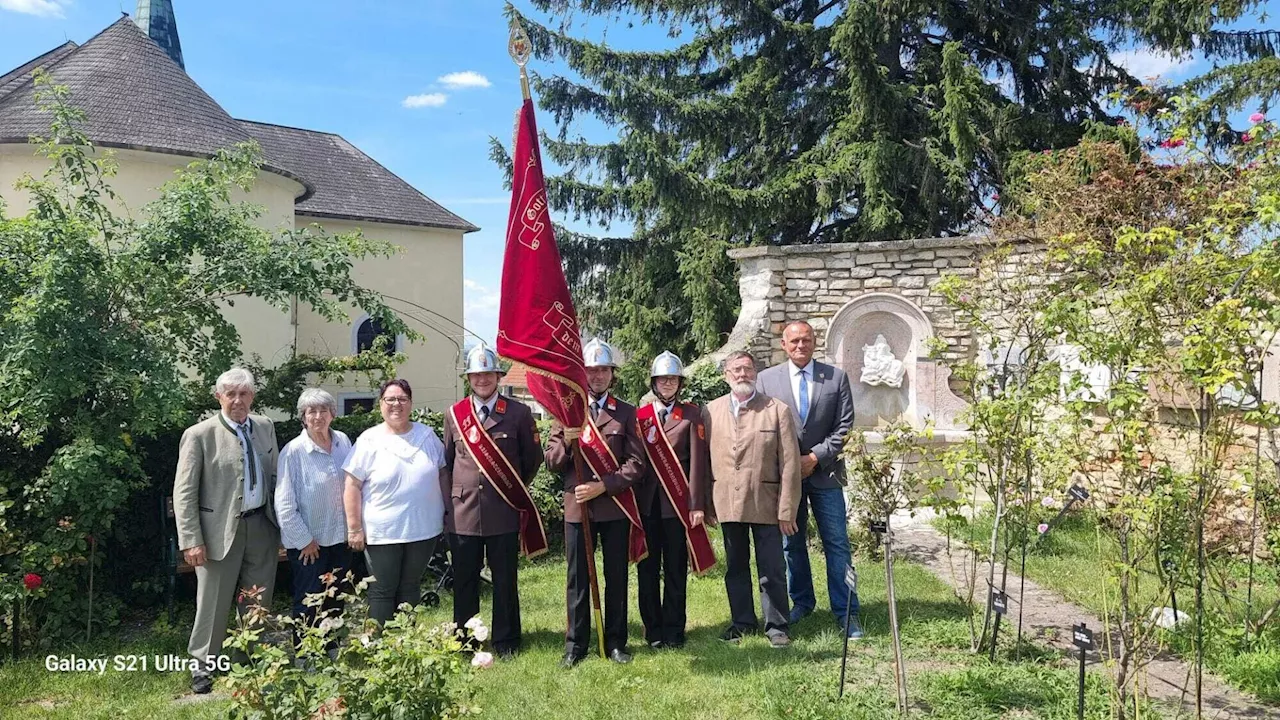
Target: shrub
409 668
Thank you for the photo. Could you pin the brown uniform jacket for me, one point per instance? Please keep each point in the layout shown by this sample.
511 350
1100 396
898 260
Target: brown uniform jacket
617 423
473 507
755 461
690 448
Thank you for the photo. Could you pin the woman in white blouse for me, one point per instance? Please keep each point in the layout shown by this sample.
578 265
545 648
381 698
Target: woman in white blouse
395 511
309 502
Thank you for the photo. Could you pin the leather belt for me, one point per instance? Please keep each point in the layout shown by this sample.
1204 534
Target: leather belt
251 513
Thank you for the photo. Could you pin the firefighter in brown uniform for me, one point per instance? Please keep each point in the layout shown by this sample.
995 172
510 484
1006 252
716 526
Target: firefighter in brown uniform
610 527
480 523
662 609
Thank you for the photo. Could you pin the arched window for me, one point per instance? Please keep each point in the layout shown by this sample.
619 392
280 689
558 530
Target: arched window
369 331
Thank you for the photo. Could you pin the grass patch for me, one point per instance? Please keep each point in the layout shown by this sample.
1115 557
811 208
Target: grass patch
1069 560
707 680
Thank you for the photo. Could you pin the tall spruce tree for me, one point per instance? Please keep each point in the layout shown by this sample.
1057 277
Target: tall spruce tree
807 121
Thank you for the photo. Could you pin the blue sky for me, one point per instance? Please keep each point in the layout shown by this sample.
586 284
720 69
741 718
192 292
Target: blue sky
420 85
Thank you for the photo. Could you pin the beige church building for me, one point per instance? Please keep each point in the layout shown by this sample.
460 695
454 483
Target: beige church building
139 101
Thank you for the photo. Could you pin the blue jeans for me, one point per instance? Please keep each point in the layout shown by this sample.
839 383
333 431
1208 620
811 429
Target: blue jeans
829 511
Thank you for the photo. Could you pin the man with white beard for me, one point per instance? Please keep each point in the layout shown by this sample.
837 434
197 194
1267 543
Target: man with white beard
755 486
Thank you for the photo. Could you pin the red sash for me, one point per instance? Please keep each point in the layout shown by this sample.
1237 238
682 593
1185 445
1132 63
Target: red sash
498 469
663 460
602 462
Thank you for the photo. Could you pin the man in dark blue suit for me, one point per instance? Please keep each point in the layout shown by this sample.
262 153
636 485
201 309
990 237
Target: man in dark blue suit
822 401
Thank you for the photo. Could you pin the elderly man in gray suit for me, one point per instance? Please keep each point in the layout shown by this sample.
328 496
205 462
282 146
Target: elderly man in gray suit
819 396
224 509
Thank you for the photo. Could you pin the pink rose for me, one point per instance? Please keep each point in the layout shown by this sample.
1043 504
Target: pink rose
1257 118
482 660
1042 528
995 196
1246 137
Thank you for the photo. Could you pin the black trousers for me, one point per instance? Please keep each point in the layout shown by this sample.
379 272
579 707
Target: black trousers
611 538
770 565
663 613
503 553
309 580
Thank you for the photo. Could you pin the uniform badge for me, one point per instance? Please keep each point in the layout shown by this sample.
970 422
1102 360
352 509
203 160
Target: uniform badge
501 406
677 413
652 436
612 404
473 434
587 434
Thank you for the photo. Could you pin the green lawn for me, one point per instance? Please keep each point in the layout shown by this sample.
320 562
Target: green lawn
707 680
1068 561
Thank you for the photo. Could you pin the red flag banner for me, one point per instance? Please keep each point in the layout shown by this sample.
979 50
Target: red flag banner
537 324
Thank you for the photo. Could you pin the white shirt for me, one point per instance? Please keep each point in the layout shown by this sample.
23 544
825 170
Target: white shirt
659 407
400 484
490 403
309 492
255 494
737 406
599 403
795 382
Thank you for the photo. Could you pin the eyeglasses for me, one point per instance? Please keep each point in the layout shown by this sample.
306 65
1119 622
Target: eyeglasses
396 400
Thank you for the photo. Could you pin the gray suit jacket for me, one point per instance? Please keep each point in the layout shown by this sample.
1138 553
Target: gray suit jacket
208 488
830 417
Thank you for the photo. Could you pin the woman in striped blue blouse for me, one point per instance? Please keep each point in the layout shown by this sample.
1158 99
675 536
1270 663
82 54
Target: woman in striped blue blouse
309 502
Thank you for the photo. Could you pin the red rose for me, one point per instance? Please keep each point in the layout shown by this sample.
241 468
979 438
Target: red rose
32 581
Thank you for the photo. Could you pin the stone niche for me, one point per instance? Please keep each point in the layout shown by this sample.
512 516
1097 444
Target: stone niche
907 384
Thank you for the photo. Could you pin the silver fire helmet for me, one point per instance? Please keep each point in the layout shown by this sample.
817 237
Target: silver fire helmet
599 353
668 363
482 360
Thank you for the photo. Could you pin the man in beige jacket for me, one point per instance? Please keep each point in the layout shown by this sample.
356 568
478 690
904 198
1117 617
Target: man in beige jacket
225 512
755 489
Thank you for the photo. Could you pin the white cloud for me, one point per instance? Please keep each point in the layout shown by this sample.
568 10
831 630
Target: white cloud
1143 63
464 79
480 309
424 100
46 8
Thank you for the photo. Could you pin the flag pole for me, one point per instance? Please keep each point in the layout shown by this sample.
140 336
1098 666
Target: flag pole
520 49
589 546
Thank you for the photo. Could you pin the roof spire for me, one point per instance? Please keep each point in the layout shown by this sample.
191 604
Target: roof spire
157 20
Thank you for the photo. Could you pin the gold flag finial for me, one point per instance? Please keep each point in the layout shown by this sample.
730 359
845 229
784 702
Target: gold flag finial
519 45
520 49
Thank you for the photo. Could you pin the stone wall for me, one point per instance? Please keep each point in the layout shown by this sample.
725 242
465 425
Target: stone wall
779 284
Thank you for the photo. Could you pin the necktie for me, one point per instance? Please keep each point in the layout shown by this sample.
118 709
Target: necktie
662 416
802 402
595 409
484 413
251 454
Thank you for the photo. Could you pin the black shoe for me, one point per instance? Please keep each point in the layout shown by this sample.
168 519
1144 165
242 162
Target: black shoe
201 684
657 644
620 656
732 634
570 659
676 645
506 653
